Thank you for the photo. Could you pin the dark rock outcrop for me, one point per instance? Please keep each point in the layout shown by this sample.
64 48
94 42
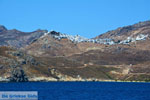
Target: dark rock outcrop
18 75
23 58
54 33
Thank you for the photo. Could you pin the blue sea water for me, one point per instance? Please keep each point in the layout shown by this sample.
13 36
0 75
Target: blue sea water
83 90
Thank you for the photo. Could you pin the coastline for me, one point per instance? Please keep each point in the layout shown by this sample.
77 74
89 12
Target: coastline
43 79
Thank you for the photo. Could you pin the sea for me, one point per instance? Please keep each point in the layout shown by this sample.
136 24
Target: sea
83 90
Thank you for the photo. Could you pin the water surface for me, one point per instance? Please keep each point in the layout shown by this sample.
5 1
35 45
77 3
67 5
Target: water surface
83 90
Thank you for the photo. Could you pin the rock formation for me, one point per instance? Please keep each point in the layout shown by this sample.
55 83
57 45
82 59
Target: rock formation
18 75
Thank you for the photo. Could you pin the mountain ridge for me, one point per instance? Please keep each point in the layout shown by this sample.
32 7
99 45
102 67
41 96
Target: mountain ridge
121 35
124 30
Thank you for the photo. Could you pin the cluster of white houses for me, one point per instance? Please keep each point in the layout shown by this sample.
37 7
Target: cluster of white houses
77 38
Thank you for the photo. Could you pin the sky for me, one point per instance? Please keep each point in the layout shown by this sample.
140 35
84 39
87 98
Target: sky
87 18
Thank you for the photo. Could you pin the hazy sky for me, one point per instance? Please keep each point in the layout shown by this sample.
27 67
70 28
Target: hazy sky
87 18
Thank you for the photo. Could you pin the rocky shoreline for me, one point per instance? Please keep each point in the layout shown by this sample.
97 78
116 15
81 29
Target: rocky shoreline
51 79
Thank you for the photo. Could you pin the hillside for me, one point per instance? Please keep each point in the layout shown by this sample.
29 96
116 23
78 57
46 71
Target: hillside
17 38
132 31
121 54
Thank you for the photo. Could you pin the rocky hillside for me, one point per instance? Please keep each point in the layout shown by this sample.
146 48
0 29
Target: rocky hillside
17 38
47 45
122 54
17 66
131 31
